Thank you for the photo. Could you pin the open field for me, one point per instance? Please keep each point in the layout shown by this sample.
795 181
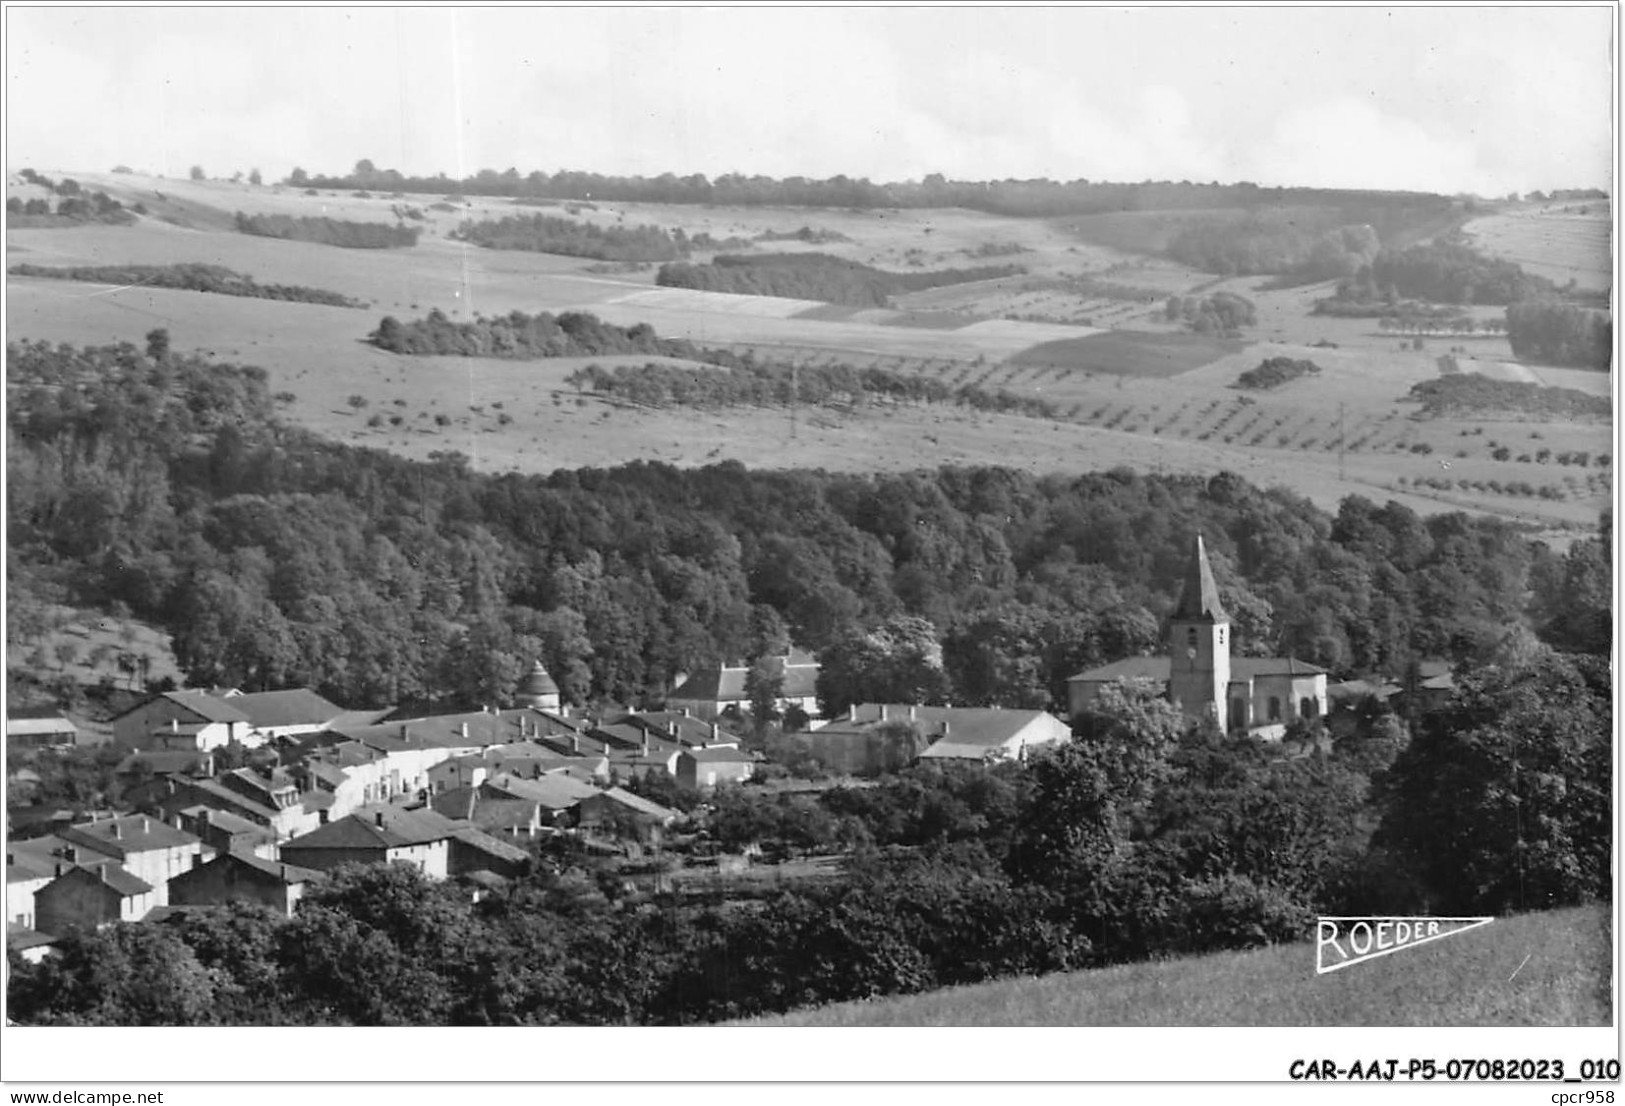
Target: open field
1559 241
1130 390
1549 969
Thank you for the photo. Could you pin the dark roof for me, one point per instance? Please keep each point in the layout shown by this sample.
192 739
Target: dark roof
205 706
20 937
558 792
297 706
491 846
215 792
113 875
636 803
1247 668
226 822
1199 601
133 833
361 830
275 869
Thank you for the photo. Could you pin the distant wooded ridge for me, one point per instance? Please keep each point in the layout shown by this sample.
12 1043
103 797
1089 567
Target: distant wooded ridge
1040 197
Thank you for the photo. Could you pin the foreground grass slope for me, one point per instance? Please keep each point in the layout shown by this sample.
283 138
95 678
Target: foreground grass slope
1545 969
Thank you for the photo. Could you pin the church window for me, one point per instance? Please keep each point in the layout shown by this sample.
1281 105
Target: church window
1190 637
1306 707
1221 635
1275 708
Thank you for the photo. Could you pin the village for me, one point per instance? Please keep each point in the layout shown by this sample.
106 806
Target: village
467 796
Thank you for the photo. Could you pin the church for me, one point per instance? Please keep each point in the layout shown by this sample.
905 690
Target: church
1261 695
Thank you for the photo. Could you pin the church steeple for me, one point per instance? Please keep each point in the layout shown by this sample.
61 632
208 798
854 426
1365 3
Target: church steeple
1199 644
1199 601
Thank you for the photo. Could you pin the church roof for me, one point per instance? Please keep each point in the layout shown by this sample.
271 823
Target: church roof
1199 601
1158 668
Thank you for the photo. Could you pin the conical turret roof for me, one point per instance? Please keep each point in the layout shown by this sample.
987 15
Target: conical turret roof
1199 601
538 682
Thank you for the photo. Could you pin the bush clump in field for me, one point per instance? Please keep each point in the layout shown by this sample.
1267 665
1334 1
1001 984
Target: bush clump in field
191 278
329 232
1276 371
815 236
815 276
551 234
75 207
1469 394
1223 313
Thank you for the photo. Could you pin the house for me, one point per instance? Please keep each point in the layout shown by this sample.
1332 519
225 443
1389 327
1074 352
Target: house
39 733
190 720
29 944
710 691
1427 687
436 845
1258 695
711 766
276 714
616 810
872 738
496 814
377 834
243 800
243 877
90 898
143 845
25 875
224 832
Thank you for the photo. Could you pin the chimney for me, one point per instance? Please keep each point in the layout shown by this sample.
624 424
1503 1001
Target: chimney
913 713
174 725
645 742
685 712
715 731
885 711
575 742
59 867
944 727
146 824
497 711
463 728
117 831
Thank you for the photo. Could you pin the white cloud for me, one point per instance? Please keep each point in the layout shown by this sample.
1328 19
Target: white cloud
1345 142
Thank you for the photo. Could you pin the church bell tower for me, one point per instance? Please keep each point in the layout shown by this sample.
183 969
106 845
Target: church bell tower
1199 645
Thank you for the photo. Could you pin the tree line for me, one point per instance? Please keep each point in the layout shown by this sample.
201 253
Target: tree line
758 384
345 233
190 277
275 558
815 276
551 234
1022 198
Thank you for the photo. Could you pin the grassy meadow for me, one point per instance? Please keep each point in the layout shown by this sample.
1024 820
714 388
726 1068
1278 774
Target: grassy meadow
1544 969
1128 388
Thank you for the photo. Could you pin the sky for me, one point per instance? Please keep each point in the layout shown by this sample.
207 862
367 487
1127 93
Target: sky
1479 99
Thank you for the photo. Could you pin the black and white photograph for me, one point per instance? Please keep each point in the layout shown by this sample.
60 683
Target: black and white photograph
1073 518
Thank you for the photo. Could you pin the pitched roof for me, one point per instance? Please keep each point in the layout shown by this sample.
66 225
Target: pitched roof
983 727
227 822
1199 601
1247 668
113 875
297 706
133 833
725 683
719 755
20 937
491 846
638 803
1129 668
275 869
205 706
554 792
362 830
36 727
215 794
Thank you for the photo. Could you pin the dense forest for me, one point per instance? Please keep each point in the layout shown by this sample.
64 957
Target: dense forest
1222 313
1556 333
330 232
164 482
552 234
193 277
815 276
1272 372
1008 197
527 337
